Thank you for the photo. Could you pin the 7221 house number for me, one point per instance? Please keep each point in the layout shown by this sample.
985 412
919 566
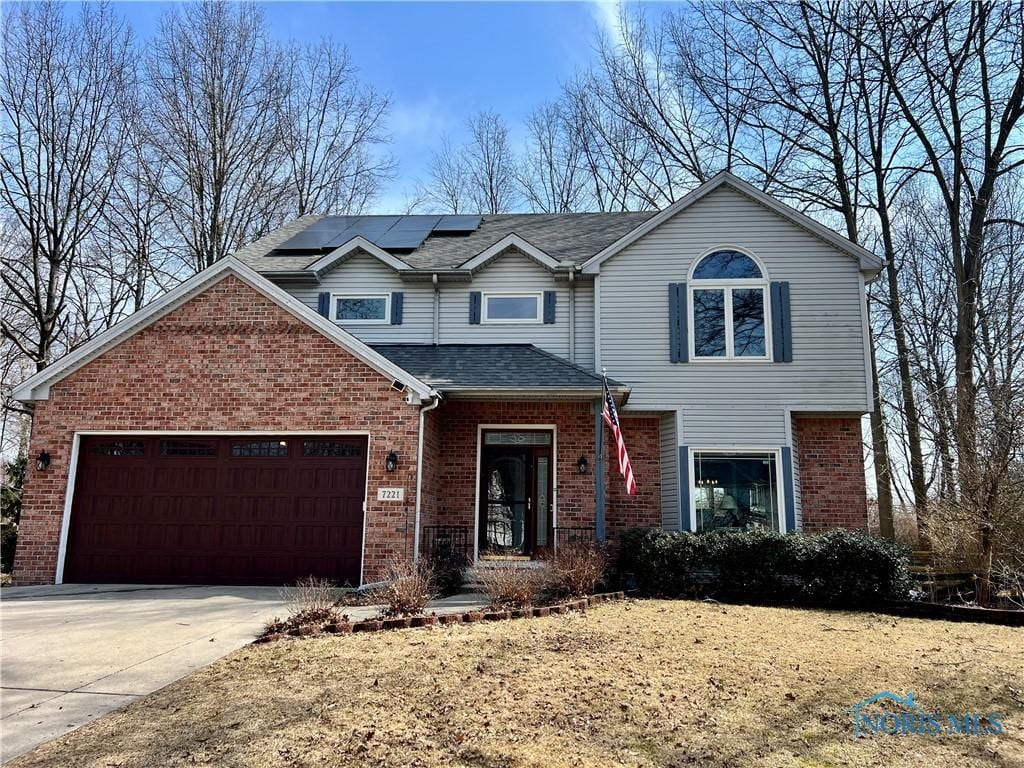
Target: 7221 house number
391 494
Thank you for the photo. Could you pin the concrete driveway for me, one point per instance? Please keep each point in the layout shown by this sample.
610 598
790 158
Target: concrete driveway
71 653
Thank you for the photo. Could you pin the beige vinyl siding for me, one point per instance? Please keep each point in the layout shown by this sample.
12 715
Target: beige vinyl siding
669 473
735 403
363 274
509 273
585 324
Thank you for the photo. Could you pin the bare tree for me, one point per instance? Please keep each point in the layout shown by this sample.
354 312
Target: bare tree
216 79
332 127
63 136
449 180
490 164
551 176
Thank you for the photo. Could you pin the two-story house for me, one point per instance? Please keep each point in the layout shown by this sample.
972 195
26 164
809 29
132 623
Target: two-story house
350 389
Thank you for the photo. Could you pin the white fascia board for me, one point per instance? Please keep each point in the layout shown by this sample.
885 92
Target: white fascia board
868 261
511 241
38 386
342 252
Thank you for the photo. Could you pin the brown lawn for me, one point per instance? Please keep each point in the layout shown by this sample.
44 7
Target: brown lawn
650 683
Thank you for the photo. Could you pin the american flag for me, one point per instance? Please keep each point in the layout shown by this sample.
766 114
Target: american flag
611 418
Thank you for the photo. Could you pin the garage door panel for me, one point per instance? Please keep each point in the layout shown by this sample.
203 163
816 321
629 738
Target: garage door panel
217 510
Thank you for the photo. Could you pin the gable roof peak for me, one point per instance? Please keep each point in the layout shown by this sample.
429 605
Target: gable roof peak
867 261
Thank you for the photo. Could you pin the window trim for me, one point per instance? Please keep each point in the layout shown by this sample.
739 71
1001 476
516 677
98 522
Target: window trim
386 320
727 286
780 491
538 318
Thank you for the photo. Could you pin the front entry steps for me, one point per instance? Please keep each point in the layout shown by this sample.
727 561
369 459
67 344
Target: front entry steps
471 574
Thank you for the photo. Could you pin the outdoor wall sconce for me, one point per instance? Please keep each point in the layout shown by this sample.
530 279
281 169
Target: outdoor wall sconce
43 462
582 464
391 462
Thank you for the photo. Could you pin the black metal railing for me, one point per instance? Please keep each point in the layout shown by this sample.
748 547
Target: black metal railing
578 534
445 542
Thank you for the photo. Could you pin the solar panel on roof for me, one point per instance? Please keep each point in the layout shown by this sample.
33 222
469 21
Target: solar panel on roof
318 233
408 233
370 227
396 233
461 223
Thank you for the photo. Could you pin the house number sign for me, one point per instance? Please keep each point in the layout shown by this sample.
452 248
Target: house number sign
391 494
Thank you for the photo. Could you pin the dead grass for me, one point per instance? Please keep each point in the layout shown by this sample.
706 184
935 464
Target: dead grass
651 683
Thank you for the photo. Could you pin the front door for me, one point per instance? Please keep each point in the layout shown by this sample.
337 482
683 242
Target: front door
515 493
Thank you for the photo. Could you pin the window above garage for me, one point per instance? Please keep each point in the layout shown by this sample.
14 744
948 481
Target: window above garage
373 308
512 308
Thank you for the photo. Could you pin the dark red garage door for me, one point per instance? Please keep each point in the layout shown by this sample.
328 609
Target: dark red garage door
217 510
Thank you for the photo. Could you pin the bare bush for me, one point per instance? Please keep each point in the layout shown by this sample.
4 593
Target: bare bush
310 601
407 589
511 585
577 569
311 607
309 594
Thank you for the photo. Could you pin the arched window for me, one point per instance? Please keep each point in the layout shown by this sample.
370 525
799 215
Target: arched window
729 307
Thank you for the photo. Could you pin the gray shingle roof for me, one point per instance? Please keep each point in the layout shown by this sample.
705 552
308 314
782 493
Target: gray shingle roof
563 236
490 366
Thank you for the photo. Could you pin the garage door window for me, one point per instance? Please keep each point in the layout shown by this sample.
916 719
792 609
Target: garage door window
119 448
263 449
330 448
187 448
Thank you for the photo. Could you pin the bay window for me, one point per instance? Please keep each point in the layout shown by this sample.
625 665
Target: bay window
736 490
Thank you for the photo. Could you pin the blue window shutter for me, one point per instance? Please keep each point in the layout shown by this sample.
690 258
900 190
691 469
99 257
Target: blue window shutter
787 489
550 297
324 304
678 342
474 308
782 327
397 297
684 488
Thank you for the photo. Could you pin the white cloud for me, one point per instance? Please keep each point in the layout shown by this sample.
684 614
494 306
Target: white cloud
421 123
607 14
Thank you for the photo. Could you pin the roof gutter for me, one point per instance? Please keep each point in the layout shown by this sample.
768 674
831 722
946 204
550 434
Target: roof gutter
436 401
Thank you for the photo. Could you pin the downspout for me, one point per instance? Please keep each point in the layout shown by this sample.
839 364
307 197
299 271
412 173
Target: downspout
435 401
572 315
437 309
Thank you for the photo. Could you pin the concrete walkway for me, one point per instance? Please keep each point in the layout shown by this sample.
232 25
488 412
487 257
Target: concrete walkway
71 653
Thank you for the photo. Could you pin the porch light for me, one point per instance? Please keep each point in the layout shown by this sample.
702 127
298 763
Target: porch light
43 462
582 464
391 462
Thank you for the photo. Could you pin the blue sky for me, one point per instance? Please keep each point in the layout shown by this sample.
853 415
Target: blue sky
440 62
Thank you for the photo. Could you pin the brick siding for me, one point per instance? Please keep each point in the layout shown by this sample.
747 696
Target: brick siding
832 489
458 423
643 510
229 359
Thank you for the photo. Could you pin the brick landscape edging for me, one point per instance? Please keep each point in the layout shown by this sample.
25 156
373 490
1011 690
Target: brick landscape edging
472 617
448 619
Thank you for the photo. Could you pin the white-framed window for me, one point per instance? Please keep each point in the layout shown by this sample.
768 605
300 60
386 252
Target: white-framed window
511 308
737 489
729 308
361 308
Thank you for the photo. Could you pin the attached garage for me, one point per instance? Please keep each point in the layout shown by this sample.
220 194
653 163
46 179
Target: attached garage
193 509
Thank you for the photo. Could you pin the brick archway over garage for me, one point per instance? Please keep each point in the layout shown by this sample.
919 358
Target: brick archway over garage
228 360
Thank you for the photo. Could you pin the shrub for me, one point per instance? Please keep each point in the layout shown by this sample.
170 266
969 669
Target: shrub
407 588
310 602
309 594
8 541
509 585
577 569
840 568
448 566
